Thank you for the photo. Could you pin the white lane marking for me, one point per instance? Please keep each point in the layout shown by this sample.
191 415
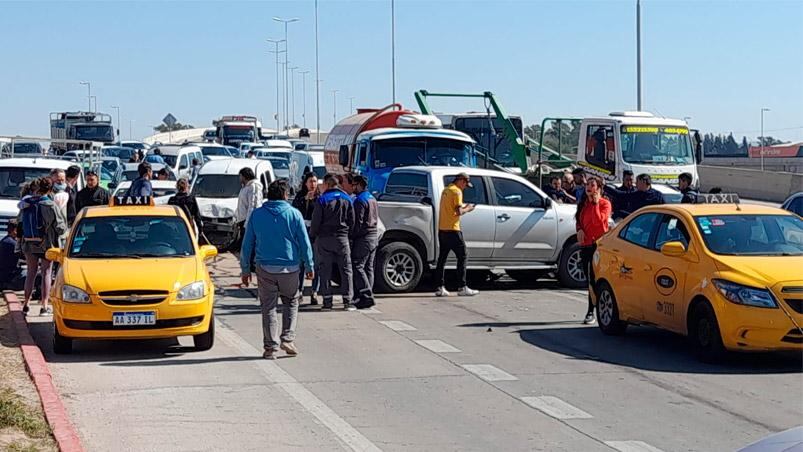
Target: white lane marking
488 372
397 325
556 407
312 404
437 346
632 446
371 310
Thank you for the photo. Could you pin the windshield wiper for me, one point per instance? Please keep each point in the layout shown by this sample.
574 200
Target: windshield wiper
142 255
112 255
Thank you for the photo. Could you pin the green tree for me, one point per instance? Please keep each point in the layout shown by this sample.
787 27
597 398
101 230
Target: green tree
161 128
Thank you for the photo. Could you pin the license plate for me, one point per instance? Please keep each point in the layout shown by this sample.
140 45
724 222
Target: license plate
133 318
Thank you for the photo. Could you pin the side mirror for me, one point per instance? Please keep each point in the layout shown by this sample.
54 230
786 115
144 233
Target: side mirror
54 254
112 185
208 251
547 203
426 200
343 156
673 249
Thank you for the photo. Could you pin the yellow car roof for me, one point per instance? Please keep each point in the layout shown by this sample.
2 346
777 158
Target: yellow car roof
719 209
131 211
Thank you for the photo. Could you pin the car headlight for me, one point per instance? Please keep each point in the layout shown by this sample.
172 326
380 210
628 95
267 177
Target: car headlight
744 295
192 291
72 294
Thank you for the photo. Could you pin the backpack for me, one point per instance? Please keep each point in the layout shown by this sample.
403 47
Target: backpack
33 227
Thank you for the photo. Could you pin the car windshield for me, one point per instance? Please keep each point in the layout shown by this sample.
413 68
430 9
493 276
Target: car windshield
215 150
752 235
121 153
652 145
94 133
12 179
131 236
155 158
217 186
397 152
279 162
170 160
27 148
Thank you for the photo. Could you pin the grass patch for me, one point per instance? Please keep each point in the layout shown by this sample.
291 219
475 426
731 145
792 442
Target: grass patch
15 413
21 447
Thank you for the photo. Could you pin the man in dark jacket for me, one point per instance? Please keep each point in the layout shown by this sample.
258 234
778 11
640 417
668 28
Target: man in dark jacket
330 227
684 186
644 195
91 195
365 239
71 176
187 202
141 186
12 277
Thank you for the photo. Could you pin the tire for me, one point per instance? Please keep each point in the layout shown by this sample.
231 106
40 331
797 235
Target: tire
61 345
398 268
608 312
205 341
527 275
570 270
704 334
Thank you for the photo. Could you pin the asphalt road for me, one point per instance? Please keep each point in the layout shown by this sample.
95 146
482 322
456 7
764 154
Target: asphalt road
510 369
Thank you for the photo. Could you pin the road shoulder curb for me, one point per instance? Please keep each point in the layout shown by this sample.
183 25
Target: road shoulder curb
56 414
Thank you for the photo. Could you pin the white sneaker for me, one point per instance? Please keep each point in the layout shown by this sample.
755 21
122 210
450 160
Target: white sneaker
467 292
442 292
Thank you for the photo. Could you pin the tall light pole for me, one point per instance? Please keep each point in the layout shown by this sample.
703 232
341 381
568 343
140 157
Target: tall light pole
95 103
351 105
276 43
317 83
393 47
118 122
293 95
686 119
304 97
762 137
130 129
286 22
334 107
639 97
88 95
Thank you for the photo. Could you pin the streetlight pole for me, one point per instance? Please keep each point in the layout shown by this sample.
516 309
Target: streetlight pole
286 22
317 83
334 107
130 129
95 103
293 95
351 105
88 94
762 137
393 47
639 97
304 97
276 43
118 123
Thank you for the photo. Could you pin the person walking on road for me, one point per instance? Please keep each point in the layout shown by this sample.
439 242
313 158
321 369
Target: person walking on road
141 186
278 237
91 195
332 220
188 204
593 213
450 237
305 201
365 239
250 198
43 223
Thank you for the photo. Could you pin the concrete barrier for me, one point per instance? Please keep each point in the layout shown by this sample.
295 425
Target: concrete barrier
750 183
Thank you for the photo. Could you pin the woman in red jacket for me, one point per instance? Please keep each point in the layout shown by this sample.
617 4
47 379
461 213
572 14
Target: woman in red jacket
593 213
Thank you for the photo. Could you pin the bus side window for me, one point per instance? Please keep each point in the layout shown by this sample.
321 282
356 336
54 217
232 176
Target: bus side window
600 147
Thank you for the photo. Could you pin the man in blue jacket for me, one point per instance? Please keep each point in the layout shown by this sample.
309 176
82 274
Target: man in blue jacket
277 232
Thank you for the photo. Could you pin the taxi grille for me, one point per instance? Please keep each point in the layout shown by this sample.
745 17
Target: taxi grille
133 297
168 323
795 304
794 336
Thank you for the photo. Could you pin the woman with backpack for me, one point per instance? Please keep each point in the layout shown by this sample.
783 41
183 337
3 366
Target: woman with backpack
188 203
42 225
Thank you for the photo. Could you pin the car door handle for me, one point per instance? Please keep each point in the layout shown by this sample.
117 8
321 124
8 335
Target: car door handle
625 270
503 217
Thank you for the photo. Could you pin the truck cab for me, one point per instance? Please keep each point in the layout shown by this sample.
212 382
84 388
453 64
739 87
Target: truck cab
235 129
80 125
374 142
639 142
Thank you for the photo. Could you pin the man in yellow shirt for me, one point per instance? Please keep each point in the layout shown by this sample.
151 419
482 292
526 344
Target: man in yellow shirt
450 238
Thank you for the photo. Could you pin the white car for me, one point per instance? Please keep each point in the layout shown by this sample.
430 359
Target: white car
179 158
278 157
14 172
245 147
302 162
216 190
212 151
162 190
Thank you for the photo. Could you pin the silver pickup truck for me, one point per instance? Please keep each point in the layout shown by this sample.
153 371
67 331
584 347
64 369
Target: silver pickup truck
515 227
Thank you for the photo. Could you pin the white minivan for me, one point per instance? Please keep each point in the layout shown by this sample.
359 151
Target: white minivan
179 158
305 161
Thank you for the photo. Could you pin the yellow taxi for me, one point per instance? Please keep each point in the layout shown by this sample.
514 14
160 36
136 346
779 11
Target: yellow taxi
132 270
727 275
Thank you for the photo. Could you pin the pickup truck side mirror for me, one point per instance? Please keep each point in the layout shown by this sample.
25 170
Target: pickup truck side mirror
547 203
426 200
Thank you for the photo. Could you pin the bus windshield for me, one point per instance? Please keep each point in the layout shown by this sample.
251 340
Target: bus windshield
429 151
653 145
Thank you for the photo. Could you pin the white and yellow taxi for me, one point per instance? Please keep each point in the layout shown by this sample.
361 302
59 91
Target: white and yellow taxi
728 276
132 270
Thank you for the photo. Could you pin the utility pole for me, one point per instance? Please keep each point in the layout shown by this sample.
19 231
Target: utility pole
293 95
762 137
393 47
317 83
351 105
95 103
639 97
119 138
286 22
276 43
304 97
130 129
88 95
334 107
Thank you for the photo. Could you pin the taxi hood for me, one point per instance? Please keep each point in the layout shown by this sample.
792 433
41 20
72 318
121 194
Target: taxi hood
100 275
766 270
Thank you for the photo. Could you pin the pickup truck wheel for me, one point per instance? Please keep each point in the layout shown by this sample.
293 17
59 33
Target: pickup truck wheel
398 268
570 270
527 275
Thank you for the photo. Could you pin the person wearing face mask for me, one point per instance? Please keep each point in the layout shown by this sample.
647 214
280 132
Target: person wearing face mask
59 195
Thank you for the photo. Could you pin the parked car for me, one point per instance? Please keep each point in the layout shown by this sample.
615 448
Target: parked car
302 162
213 151
82 155
121 152
162 190
216 189
278 157
514 227
23 148
794 203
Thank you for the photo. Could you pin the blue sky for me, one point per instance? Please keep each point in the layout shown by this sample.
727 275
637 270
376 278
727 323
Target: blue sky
718 62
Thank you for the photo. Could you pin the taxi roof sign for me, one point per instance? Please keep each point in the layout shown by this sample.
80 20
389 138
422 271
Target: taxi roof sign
118 201
717 198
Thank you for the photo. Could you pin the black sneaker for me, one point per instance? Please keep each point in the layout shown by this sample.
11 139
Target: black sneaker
25 310
364 304
326 307
590 319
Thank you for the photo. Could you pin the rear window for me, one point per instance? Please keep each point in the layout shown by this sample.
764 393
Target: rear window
12 179
411 184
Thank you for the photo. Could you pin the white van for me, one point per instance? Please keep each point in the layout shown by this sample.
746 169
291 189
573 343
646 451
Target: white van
179 158
305 161
217 188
